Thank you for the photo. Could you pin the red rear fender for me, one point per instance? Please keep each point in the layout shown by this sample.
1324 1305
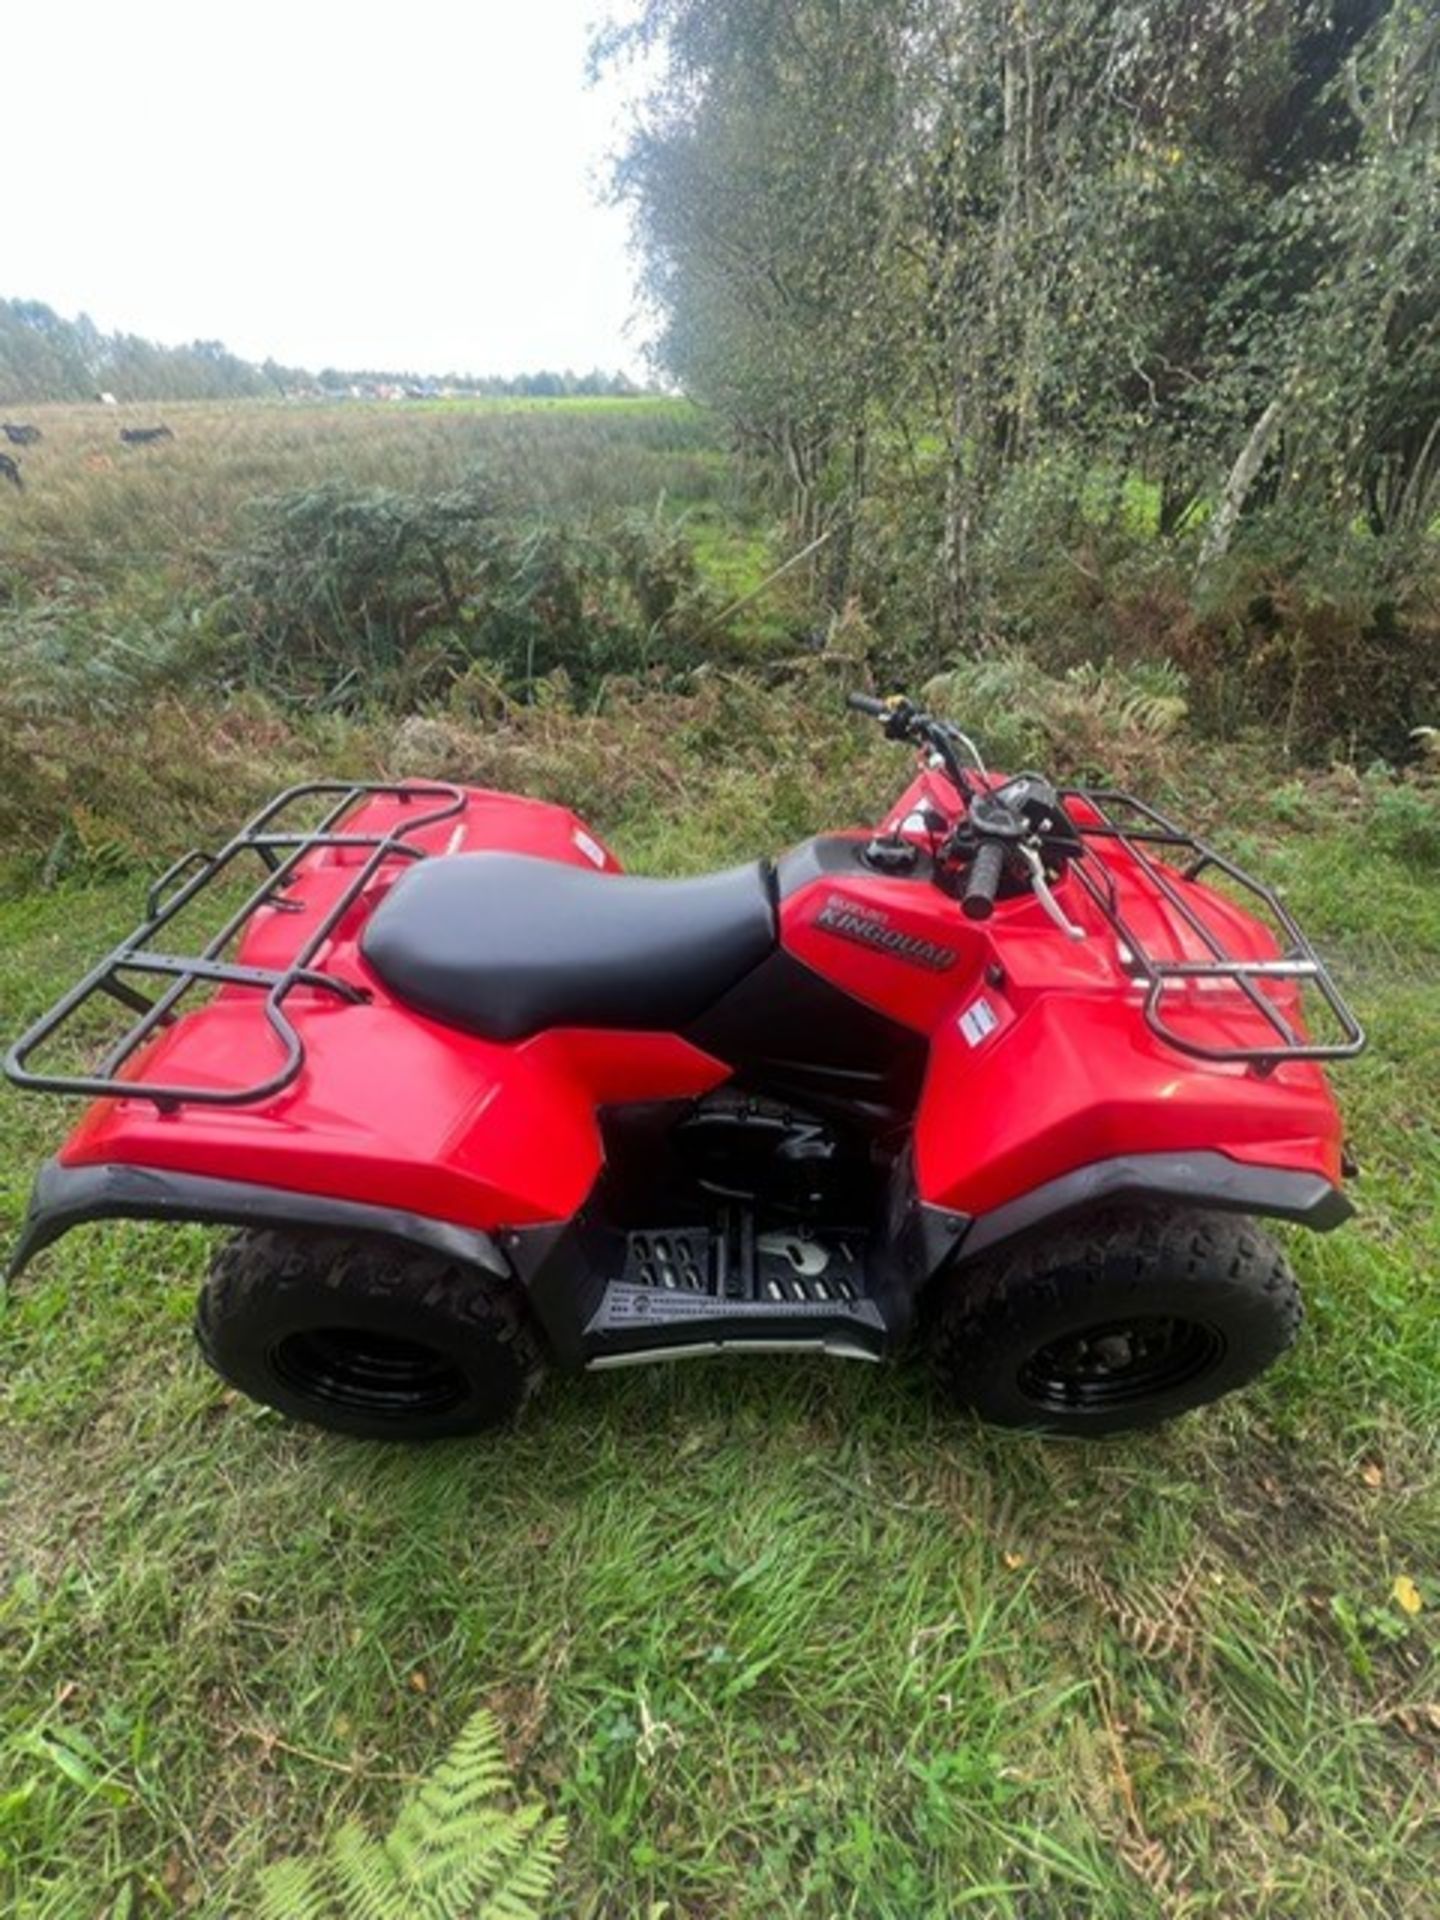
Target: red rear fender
398 1111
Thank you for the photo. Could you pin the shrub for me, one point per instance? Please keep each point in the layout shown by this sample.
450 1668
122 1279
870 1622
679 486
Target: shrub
1095 723
78 791
1405 821
1322 635
64 657
353 596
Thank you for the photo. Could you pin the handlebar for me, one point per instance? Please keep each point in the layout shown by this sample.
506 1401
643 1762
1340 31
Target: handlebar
1021 824
986 870
867 703
903 720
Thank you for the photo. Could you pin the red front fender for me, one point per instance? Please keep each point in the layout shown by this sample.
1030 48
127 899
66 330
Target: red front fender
1016 1100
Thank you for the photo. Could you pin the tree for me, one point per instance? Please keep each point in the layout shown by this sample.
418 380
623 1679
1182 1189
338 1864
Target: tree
1194 240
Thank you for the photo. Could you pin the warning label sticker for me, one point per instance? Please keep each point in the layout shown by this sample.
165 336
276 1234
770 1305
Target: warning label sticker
978 1021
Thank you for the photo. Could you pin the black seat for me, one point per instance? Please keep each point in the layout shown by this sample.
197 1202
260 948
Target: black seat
506 945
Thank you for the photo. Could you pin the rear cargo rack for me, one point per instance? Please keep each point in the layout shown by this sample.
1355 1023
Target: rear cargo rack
280 849
1121 821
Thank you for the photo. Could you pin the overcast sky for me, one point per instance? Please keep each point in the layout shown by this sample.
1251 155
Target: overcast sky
408 185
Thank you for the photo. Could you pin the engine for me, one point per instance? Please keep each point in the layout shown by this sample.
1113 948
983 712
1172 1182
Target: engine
744 1148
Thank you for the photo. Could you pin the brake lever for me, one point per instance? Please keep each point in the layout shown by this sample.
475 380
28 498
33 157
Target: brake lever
1043 894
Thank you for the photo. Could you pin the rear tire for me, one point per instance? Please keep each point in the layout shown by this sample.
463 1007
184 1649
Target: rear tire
367 1337
1117 1321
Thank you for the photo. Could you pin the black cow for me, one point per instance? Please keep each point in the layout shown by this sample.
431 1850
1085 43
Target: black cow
144 436
10 470
20 436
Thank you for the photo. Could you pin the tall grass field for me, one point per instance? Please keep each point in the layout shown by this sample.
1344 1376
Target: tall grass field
776 1638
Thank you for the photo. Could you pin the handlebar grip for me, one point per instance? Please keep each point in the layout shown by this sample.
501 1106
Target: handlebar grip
867 703
980 889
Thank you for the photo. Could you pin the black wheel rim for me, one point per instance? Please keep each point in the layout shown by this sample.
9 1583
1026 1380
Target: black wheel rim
1120 1363
362 1371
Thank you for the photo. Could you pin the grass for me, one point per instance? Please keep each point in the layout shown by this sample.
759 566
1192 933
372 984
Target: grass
779 1638
142 522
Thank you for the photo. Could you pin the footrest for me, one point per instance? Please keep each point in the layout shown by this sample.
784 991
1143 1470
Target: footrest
783 1266
791 1267
699 1288
681 1260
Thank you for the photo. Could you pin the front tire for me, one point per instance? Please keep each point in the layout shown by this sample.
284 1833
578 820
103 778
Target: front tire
367 1337
1117 1321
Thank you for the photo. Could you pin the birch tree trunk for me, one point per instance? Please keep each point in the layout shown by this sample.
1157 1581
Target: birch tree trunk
959 509
1242 477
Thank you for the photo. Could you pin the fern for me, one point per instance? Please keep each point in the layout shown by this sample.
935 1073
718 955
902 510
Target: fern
295 1890
362 1873
459 1850
528 1880
1106 721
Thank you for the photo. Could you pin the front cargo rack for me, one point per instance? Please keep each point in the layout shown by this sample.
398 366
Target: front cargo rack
280 849
1120 820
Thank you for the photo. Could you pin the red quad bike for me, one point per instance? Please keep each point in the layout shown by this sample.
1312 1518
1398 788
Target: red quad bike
1012 1072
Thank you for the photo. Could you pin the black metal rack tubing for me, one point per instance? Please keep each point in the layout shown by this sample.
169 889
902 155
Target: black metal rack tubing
1263 1006
1299 961
137 955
